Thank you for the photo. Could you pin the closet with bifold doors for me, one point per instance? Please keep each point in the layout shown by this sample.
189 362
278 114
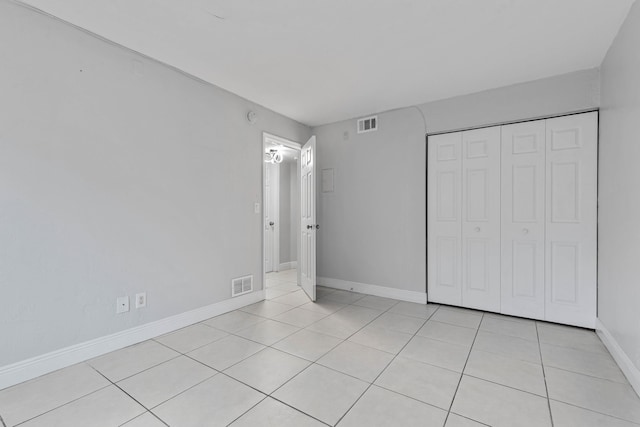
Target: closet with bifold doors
512 219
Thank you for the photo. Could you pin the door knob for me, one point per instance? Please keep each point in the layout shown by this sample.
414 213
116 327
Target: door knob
309 227
477 229
271 223
317 226
525 231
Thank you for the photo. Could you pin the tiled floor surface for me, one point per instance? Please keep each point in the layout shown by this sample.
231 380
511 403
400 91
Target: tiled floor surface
347 360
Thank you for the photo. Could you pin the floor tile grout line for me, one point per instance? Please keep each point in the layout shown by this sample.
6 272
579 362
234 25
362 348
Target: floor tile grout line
299 410
346 339
506 386
315 362
270 395
300 357
64 404
441 340
453 399
385 368
145 369
249 312
196 348
544 376
454 324
131 397
270 346
590 376
150 409
242 414
595 412
467 418
410 397
146 412
266 396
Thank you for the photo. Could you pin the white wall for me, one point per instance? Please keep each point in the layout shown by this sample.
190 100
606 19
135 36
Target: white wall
619 203
373 226
117 175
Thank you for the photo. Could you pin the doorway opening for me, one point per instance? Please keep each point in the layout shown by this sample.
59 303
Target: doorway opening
281 215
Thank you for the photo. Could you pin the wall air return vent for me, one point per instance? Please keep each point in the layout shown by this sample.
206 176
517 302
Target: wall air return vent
241 285
368 124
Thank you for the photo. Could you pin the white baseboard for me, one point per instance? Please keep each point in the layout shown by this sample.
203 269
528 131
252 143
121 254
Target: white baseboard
31 368
379 291
288 265
628 368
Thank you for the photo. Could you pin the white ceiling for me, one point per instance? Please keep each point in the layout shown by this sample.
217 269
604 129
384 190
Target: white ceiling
327 60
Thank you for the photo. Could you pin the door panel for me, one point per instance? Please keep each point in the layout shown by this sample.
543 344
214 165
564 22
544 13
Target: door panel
308 224
571 219
481 222
523 190
443 218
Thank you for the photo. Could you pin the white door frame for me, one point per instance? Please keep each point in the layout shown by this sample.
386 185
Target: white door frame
270 139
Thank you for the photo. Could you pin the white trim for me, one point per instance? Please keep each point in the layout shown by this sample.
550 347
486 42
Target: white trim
626 365
31 368
379 291
267 137
291 265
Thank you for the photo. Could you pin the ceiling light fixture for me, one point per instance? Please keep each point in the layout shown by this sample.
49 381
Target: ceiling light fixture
273 156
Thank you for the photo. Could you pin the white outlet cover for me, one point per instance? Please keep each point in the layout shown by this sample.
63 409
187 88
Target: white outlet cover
141 300
122 305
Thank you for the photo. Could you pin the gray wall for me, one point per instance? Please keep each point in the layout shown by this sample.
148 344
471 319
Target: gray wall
619 204
113 182
373 226
288 211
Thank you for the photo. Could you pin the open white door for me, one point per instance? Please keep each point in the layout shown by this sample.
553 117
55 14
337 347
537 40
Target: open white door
308 224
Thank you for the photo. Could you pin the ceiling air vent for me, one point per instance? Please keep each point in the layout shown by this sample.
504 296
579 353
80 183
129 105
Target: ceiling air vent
241 285
368 124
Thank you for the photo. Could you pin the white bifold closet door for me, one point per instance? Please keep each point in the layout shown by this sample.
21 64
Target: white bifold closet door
481 219
464 226
523 219
512 217
571 219
443 220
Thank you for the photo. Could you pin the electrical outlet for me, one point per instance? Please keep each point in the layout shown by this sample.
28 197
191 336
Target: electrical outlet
141 300
122 305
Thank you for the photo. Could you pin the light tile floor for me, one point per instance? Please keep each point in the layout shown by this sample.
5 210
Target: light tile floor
347 360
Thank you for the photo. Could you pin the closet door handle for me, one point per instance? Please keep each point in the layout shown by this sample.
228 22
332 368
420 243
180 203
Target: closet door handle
525 231
477 229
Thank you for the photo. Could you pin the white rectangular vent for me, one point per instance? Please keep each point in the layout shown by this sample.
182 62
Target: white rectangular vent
241 285
368 124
